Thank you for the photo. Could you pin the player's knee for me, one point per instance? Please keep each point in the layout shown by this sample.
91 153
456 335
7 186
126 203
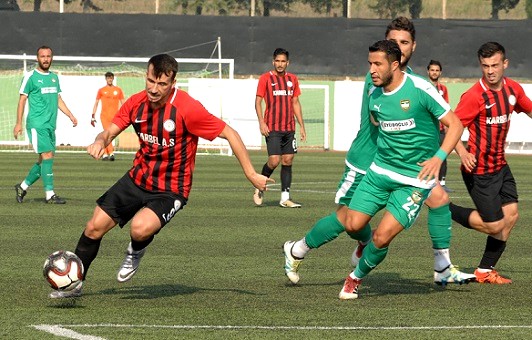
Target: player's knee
495 228
438 197
380 239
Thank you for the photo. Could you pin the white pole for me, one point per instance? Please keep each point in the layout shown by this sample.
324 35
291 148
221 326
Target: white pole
156 6
25 64
348 9
61 6
252 8
219 43
444 9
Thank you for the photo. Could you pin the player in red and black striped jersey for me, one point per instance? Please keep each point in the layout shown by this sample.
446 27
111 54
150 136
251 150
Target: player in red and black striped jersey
485 109
168 123
280 91
434 70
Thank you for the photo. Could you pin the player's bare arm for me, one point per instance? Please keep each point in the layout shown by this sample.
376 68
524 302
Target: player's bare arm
298 112
431 167
239 149
262 124
17 130
62 106
104 138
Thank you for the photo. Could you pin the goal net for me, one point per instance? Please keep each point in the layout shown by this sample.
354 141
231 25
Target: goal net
80 79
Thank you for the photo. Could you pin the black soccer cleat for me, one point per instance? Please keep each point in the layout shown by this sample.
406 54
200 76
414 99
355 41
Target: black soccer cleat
55 200
20 193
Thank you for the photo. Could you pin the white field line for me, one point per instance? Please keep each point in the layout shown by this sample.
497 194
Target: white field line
64 331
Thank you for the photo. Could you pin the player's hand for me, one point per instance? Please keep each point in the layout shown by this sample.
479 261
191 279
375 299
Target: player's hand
468 161
93 122
74 121
260 181
17 130
303 134
96 150
264 129
430 169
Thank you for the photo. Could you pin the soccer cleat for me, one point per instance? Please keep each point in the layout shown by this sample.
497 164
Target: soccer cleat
130 265
291 265
257 197
20 193
55 200
105 158
289 204
451 274
357 254
350 289
64 294
112 158
491 277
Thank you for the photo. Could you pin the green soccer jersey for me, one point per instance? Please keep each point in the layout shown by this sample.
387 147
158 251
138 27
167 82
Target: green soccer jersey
409 127
43 91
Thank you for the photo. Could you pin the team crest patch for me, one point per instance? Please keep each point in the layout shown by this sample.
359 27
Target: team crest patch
289 83
169 125
405 104
512 100
416 197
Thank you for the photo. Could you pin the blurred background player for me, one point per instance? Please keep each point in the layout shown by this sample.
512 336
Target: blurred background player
112 98
485 109
434 70
280 91
41 89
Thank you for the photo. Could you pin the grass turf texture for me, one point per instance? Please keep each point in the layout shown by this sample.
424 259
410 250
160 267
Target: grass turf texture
219 263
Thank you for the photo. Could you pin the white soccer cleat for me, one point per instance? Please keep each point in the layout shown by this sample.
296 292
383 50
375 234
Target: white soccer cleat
291 265
350 289
258 195
65 294
130 265
452 275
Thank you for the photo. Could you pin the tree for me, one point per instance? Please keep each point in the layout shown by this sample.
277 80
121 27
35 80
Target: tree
501 5
415 8
9 5
528 9
222 7
388 9
323 6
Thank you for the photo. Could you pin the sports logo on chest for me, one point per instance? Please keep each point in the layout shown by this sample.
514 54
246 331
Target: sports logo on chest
405 104
163 138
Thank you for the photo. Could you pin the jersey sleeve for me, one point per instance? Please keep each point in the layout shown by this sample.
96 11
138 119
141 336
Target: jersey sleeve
523 103
201 122
297 89
445 93
434 102
26 85
467 108
261 87
99 94
123 117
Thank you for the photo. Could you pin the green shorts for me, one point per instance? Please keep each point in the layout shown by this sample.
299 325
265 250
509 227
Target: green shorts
43 140
377 191
347 186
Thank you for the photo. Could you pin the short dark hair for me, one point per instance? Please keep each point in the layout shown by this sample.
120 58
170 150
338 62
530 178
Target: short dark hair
44 47
489 49
391 48
401 24
281 51
109 74
434 62
164 63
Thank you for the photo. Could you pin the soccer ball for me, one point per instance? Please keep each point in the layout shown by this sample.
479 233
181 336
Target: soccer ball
63 270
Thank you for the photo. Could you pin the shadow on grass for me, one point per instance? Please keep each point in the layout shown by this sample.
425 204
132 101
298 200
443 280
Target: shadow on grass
165 290
391 283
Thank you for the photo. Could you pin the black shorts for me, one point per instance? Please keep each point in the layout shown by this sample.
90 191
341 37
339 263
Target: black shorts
281 143
124 199
491 192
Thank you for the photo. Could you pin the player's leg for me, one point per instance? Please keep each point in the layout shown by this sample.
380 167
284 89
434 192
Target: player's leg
46 148
440 231
273 146
109 150
35 171
288 151
147 222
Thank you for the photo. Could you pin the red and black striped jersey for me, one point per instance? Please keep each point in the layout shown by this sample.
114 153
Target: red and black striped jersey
486 114
168 139
278 93
442 90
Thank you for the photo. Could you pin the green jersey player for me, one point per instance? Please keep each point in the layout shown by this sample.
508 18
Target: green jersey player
408 157
358 160
41 89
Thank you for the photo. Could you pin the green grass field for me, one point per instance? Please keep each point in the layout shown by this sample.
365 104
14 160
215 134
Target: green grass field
216 271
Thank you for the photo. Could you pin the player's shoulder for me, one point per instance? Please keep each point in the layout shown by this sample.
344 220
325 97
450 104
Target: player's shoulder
512 83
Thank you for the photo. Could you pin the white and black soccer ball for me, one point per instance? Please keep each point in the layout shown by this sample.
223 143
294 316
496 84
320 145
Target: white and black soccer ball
63 270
